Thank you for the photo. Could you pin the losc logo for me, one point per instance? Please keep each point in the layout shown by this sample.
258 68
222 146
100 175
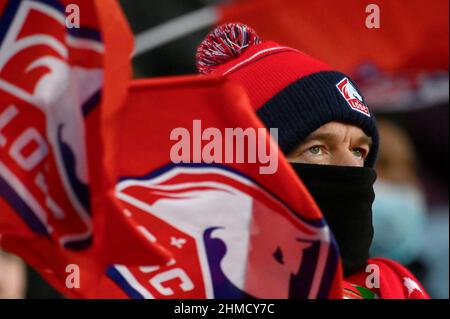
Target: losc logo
239 240
43 71
351 95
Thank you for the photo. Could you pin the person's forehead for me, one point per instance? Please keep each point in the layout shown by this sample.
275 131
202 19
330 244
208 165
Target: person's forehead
336 129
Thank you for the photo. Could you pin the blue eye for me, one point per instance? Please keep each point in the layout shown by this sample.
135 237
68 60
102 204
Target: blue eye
316 150
359 152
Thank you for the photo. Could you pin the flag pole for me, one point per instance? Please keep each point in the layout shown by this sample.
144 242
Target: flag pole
174 29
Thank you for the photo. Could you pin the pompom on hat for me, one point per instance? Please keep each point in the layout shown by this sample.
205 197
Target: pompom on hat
288 89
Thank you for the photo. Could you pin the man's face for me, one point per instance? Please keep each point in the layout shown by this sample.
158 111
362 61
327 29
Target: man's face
333 144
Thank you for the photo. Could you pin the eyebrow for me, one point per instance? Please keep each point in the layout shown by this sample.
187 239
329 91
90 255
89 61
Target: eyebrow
329 137
365 140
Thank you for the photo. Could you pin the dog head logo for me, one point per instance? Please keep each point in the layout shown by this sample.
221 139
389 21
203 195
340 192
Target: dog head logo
352 96
44 68
250 243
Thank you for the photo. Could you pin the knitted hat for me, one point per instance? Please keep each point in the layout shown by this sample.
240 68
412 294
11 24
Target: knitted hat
288 89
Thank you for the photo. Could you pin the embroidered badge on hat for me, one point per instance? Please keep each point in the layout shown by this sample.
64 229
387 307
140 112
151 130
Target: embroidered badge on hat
351 95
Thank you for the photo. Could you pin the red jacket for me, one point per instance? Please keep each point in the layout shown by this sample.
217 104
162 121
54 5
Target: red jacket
385 279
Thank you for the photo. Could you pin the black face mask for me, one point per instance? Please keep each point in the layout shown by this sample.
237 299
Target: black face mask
345 196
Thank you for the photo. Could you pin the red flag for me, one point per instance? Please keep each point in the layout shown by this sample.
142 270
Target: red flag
412 35
233 231
52 89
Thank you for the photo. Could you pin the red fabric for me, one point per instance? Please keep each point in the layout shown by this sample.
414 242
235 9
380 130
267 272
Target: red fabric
413 35
395 281
26 192
264 70
109 221
152 111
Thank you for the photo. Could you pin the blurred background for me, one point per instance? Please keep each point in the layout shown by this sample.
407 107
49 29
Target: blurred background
399 61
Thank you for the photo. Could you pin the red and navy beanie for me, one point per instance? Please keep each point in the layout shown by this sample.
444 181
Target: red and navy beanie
288 89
